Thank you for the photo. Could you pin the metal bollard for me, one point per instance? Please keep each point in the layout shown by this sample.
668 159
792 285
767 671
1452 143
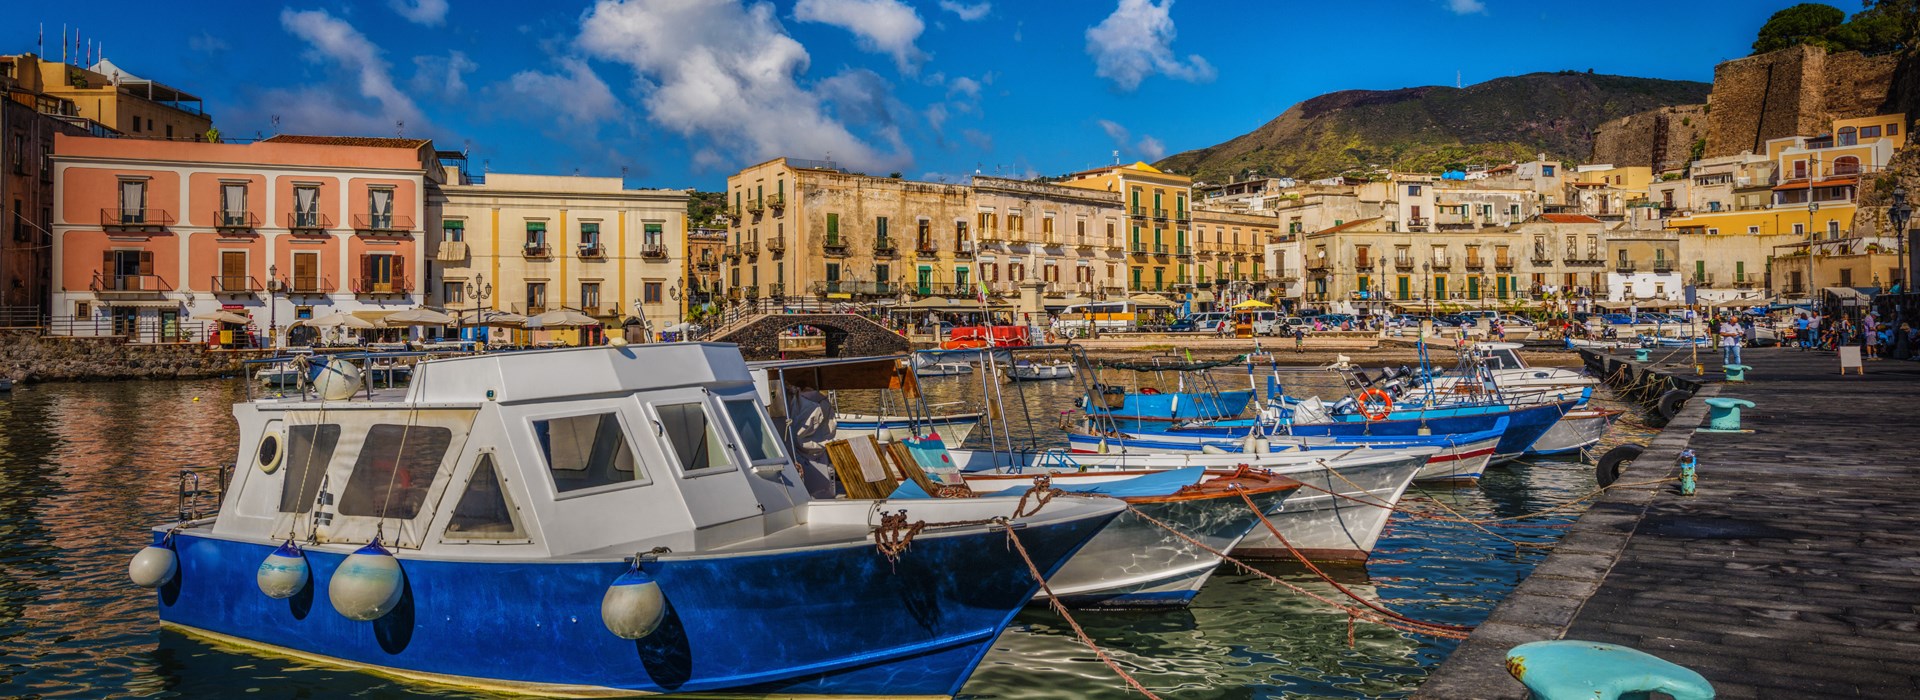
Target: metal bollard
1689 472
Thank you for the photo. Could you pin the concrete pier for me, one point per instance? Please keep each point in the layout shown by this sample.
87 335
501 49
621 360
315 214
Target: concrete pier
1795 570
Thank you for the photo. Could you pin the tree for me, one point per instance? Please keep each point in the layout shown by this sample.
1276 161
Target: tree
1805 23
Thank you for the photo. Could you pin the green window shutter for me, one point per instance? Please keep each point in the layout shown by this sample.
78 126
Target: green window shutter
833 229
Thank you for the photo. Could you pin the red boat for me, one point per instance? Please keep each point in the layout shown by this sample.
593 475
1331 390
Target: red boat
974 337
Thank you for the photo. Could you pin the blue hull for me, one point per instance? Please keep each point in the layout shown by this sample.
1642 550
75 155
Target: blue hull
1176 406
837 620
1090 443
1524 425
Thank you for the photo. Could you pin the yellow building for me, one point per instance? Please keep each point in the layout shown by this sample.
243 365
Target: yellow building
1158 224
528 244
1632 178
110 95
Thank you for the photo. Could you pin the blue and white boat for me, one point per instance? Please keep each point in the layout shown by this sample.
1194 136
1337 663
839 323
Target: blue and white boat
1459 457
588 521
1152 406
1525 424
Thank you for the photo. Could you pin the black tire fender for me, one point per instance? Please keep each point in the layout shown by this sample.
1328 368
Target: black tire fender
1614 461
1671 402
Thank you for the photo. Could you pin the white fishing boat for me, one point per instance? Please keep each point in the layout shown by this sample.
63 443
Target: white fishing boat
948 368
1576 431
1318 523
1512 374
582 521
1459 457
953 428
1024 371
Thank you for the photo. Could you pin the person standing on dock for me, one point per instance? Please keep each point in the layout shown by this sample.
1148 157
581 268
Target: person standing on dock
1730 335
1800 331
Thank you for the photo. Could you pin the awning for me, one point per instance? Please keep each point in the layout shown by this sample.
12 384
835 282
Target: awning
1150 300
144 304
1829 182
1203 297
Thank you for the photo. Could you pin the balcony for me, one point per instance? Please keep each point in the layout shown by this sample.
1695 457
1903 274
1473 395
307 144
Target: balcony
533 309
777 245
1503 263
1159 213
653 251
1319 265
1363 263
963 249
1283 275
536 250
308 223
124 286
1442 264
755 207
309 285
1403 263
1591 261
1159 249
119 219
835 247
883 248
1474 262
776 290
1703 279
776 202
707 265
1137 248
1417 223
1137 210
926 248
1182 215
852 288
382 225
233 284
451 251
1541 257
1662 266
235 221
373 285
591 251
1184 251
1624 266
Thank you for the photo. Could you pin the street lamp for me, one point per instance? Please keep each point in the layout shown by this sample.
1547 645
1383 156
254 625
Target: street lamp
479 290
1898 214
273 307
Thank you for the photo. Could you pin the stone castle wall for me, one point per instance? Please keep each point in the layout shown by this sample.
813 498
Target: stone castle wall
1790 92
1661 138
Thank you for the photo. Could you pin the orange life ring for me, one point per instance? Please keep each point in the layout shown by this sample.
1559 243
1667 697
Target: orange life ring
1367 401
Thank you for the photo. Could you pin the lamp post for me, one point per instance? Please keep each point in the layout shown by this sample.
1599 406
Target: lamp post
1898 214
479 290
273 306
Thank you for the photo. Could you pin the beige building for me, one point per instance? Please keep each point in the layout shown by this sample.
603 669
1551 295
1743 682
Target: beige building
535 243
806 228
1227 248
108 94
1066 240
1361 266
706 247
1565 256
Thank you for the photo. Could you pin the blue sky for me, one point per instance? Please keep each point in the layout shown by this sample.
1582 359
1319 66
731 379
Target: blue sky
682 92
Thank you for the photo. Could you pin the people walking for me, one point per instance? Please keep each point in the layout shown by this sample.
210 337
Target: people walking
1730 337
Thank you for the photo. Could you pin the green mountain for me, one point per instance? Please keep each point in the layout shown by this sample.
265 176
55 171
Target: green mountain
1431 128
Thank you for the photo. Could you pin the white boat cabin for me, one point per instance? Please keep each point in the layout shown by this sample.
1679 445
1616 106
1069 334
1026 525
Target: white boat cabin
581 452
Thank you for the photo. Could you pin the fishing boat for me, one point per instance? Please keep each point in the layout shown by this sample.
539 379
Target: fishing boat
1576 431
952 428
1025 371
1525 423
1459 457
942 364
1135 561
1316 521
587 521
1149 404
1500 363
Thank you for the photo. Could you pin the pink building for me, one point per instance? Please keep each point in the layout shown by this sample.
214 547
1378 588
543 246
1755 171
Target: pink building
149 234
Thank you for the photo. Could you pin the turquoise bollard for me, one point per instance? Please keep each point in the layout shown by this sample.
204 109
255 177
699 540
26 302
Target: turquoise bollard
1723 414
1735 373
1642 354
1567 669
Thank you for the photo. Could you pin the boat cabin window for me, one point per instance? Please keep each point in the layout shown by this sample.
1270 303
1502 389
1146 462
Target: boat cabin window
396 468
753 431
1504 359
585 451
483 512
309 450
693 440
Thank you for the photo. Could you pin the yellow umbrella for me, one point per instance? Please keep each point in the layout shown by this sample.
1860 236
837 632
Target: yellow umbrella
1253 304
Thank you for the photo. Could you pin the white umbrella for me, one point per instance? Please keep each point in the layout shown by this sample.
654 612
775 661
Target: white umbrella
418 317
680 327
561 318
340 319
498 319
222 317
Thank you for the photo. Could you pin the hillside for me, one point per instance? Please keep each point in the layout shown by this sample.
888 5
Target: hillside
1431 128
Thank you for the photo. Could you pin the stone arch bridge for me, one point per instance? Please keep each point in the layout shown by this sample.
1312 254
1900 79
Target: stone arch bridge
847 335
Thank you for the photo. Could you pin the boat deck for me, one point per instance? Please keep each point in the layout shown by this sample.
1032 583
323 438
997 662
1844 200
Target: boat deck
1793 573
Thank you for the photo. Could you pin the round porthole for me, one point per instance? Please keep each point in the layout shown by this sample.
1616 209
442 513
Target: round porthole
272 451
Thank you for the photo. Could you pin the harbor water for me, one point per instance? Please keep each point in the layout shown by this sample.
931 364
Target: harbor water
86 469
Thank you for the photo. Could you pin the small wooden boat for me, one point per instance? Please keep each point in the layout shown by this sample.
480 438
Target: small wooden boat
1024 371
1576 431
952 428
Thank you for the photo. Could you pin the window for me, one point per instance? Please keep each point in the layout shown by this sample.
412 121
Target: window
1868 132
453 230
651 234
233 272
1893 129
590 234
453 292
584 452
306 272
1846 165
395 470
380 208
1847 136
754 434
880 232
233 204
1754 230
833 229
309 450
483 511
133 201
306 206
1833 228
694 443
833 273
1413 190
1546 171
536 234
382 273
536 297
650 292
590 295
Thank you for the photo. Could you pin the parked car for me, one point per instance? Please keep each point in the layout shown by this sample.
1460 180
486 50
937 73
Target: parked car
1617 319
1208 322
1514 321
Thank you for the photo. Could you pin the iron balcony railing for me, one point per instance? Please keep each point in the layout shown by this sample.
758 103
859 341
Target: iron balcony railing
309 285
535 249
392 284
593 251
234 284
382 223
108 283
653 250
124 218
235 220
308 221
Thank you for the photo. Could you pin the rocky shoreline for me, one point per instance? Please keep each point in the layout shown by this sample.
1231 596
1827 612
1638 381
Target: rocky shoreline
28 356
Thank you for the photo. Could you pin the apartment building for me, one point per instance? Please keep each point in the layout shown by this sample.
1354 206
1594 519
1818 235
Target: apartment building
529 244
1158 220
1565 256
706 247
1227 248
1362 266
28 122
111 95
148 233
1644 267
1063 241
807 228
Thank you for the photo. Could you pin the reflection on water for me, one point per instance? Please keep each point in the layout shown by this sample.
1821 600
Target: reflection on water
87 469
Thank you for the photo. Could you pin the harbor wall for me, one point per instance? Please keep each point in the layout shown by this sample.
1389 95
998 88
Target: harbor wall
28 356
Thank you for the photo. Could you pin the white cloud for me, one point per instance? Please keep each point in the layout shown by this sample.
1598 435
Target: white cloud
882 26
577 93
964 86
937 116
442 75
1467 7
725 75
980 139
967 12
333 40
206 43
1151 148
1136 41
1114 131
431 13
1147 148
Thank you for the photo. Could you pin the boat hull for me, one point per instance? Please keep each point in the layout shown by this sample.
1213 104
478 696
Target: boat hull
1458 460
953 429
1576 431
1175 406
1135 563
1524 426
756 623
